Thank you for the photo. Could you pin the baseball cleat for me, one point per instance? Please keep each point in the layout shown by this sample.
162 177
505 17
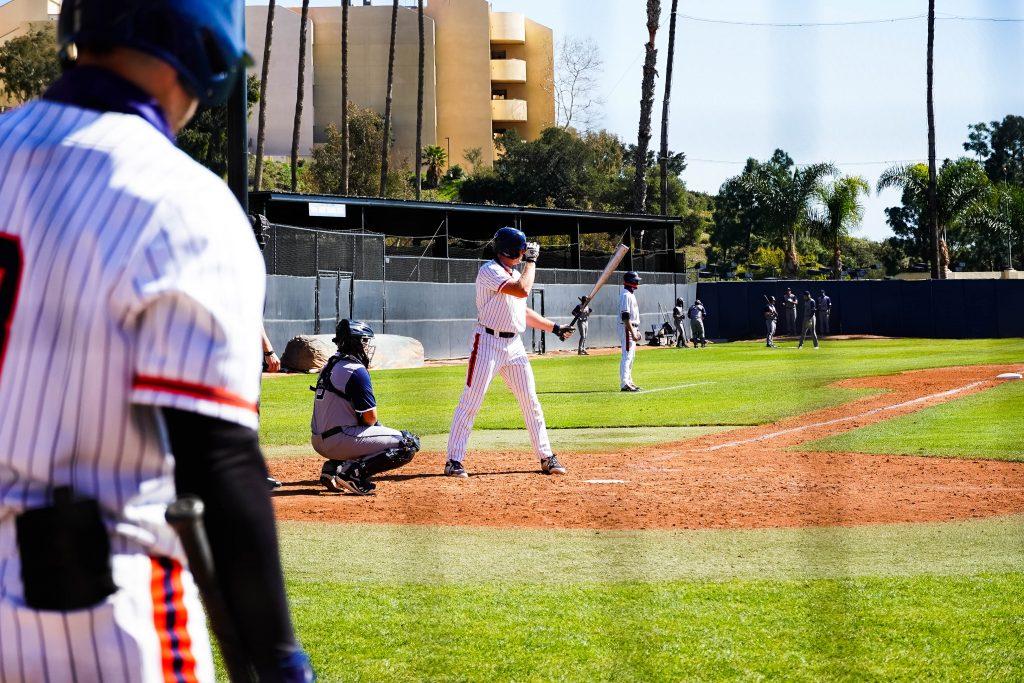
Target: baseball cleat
339 476
629 387
273 484
328 475
551 466
360 487
454 468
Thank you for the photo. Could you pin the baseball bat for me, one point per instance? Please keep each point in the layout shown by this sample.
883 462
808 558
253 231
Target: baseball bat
613 263
185 515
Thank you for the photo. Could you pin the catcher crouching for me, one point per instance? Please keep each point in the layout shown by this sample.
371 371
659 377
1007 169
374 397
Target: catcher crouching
344 427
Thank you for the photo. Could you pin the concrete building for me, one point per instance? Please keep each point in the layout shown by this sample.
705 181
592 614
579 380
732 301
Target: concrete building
282 79
485 72
18 17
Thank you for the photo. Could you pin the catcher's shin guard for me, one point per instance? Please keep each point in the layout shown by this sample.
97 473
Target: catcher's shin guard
391 459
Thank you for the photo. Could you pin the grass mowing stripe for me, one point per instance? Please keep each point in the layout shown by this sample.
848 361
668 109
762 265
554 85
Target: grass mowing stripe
393 554
986 425
752 385
965 628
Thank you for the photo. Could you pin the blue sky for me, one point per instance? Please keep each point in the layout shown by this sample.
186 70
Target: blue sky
849 94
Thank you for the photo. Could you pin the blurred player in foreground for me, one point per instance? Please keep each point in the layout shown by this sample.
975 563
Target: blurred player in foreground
130 276
502 315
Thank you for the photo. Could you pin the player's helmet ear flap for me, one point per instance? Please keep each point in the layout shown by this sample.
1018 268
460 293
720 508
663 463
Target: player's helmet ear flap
203 40
510 242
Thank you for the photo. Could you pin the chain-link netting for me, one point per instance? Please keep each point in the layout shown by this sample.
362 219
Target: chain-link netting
306 252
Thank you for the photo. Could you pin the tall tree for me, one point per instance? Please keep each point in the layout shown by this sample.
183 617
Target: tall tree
841 211
783 193
646 106
300 89
386 145
940 255
434 157
205 137
29 64
961 185
345 161
576 83
992 227
665 109
1000 144
419 104
261 130
323 173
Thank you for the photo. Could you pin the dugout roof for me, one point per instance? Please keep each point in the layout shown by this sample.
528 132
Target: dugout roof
407 218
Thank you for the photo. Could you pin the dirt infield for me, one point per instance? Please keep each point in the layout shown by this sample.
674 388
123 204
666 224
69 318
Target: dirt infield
743 478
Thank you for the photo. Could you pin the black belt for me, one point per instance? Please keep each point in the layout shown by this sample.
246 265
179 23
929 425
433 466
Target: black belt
331 432
503 335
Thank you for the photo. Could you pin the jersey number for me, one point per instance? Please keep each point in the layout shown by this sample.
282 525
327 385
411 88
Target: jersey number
10 281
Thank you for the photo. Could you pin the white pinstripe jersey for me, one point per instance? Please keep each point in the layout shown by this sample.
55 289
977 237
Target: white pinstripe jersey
627 304
495 310
140 286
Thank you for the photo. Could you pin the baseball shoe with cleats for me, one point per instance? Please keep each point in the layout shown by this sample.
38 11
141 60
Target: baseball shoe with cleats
454 468
273 484
339 476
353 479
630 387
551 466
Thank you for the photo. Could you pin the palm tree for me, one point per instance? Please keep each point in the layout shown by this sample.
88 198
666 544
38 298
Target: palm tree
434 157
261 131
941 254
300 89
386 146
419 106
783 193
344 96
841 211
665 108
959 185
994 224
646 106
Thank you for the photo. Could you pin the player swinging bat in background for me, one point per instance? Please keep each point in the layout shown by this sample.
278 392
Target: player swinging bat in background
629 312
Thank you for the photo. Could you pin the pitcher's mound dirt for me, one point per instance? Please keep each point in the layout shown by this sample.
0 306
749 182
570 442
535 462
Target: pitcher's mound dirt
742 478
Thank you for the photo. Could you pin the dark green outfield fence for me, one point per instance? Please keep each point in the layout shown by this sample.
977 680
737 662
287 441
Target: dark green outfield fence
940 309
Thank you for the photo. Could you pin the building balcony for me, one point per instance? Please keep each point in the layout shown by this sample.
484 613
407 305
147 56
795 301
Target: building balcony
508 71
508 28
505 111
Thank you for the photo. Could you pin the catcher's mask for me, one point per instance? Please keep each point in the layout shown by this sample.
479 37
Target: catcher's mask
355 340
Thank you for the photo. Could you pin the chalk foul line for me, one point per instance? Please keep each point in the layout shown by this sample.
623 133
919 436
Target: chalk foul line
868 413
677 386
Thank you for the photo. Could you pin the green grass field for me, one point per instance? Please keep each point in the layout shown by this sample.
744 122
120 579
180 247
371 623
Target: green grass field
988 425
905 602
727 384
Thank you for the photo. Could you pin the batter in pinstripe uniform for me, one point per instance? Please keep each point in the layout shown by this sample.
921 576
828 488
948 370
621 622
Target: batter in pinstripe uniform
131 295
502 315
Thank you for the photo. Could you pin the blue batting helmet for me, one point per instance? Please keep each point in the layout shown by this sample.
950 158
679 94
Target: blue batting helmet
631 278
510 242
204 40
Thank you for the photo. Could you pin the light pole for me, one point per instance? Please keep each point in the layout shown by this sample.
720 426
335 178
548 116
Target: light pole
1009 231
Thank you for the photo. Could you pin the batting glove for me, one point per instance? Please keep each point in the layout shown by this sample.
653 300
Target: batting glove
532 252
563 332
